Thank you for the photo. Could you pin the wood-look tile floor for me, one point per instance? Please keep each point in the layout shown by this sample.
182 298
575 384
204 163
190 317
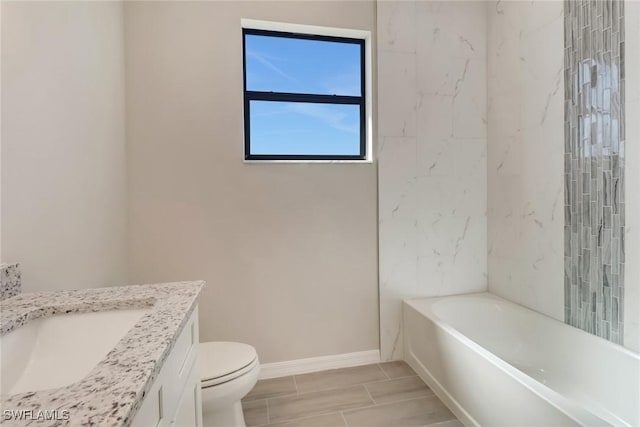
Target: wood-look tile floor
383 394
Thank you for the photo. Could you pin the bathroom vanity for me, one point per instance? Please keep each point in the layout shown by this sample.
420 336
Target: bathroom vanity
120 356
174 398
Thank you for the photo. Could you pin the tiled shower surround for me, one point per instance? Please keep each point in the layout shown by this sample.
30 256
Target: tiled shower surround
594 167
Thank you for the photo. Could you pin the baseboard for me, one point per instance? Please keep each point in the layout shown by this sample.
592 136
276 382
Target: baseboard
315 364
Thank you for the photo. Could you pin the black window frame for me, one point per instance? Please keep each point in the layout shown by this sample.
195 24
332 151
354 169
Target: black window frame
304 97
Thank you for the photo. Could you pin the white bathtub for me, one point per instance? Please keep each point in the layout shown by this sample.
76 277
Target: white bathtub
495 363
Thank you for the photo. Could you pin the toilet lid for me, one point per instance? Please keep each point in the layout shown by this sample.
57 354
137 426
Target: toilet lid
221 359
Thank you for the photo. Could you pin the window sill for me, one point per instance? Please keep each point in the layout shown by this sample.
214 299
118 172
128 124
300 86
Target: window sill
366 161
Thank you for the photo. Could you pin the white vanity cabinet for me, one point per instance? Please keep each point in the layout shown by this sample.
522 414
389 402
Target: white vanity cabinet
174 398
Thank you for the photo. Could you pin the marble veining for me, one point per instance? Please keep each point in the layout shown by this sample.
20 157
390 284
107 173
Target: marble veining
112 393
432 155
525 154
10 280
594 230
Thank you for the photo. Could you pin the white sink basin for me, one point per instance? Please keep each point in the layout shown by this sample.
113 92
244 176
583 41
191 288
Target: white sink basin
57 351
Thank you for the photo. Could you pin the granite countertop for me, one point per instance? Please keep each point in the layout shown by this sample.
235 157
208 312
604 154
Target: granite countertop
113 391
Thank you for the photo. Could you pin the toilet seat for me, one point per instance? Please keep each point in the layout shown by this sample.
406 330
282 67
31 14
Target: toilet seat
221 362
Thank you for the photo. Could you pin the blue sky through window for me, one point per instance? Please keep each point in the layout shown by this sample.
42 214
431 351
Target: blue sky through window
280 64
304 128
290 65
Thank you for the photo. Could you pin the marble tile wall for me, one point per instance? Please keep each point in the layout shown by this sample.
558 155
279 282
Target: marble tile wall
431 155
594 204
525 153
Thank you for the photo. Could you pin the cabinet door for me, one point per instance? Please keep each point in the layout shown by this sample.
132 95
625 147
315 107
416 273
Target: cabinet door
189 412
151 413
174 397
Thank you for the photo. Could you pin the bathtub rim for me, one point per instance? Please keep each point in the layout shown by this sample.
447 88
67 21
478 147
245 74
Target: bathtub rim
489 295
572 409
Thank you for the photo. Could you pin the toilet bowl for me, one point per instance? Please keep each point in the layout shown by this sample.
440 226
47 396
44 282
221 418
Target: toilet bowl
228 371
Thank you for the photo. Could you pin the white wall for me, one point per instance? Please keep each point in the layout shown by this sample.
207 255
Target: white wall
63 146
526 153
288 250
432 155
632 177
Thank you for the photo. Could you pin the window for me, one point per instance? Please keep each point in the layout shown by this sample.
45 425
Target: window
304 96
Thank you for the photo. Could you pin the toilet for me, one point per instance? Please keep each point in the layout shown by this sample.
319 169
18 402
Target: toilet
228 371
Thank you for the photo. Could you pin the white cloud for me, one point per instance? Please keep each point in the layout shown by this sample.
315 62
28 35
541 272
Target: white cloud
331 117
267 61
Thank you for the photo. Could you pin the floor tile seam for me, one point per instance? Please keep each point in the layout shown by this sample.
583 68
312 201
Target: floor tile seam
327 412
405 376
428 393
443 421
440 423
379 366
319 414
306 418
335 388
268 416
295 384
383 371
269 397
392 379
369 394
344 419
339 369
377 382
347 411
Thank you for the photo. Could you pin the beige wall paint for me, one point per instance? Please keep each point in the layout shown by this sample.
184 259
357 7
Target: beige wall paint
63 143
288 250
1 258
